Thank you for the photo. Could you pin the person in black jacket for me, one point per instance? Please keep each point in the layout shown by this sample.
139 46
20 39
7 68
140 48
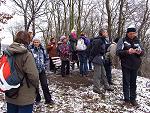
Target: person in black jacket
129 50
97 57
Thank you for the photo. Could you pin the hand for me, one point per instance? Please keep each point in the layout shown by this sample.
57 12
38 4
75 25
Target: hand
131 51
138 51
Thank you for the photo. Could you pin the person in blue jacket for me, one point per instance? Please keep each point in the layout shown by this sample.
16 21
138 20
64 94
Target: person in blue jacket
41 59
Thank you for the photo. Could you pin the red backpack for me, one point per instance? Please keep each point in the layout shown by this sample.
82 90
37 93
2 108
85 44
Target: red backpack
10 82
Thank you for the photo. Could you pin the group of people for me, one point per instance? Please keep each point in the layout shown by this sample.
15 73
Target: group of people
67 50
129 51
33 59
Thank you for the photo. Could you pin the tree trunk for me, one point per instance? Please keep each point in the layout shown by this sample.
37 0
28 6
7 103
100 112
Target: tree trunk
79 19
71 14
120 23
65 18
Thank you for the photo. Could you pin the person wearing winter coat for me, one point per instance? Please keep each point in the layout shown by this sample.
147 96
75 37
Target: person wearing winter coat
73 42
23 103
111 54
64 51
130 51
41 60
97 54
83 56
52 51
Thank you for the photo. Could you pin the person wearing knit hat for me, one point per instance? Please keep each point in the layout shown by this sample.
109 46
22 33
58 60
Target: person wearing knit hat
36 38
64 52
130 51
42 60
131 33
62 38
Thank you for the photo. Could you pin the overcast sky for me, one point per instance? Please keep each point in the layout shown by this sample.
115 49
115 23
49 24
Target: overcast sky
6 33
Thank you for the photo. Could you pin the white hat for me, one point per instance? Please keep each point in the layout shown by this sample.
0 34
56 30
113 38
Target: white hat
36 38
62 38
73 30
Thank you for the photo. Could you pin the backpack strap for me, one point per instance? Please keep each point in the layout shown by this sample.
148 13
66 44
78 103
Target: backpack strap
6 52
23 74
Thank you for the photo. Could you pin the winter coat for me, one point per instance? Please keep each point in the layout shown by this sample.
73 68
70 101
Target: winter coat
97 50
64 51
26 64
73 42
130 61
52 50
111 54
40 56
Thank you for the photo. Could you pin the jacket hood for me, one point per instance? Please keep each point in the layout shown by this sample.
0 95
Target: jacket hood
17 48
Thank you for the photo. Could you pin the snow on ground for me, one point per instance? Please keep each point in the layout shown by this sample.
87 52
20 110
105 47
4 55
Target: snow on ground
82 99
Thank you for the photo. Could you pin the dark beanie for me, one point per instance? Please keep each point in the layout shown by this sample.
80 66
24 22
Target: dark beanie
131 30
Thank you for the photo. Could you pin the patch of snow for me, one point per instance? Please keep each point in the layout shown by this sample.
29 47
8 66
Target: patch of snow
84 100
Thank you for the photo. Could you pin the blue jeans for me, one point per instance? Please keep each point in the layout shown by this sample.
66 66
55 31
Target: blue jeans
11 108
83 64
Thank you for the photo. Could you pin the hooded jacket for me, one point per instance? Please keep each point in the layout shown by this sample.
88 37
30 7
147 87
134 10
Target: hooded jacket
97 51
26 64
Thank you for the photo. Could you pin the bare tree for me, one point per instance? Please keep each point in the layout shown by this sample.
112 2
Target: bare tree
121 20
4 17
109 17
30 9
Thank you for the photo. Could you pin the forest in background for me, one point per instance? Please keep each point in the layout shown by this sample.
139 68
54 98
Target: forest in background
54 18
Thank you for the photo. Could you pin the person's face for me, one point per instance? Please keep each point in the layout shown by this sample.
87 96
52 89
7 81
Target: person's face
36 43
105 34
31 35
53 41
131 35
65 40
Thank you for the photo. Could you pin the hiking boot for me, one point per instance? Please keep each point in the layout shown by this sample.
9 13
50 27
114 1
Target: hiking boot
63 75
111 83
37 103
134 103
109 89
96 91
126 103
85 75
51 102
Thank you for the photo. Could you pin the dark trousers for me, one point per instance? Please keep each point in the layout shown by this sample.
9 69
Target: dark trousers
90 65
12 108
65 67
52 66
44 85
129 83
107 66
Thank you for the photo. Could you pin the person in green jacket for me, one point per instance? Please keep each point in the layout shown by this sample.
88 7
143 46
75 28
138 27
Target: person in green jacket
23 103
